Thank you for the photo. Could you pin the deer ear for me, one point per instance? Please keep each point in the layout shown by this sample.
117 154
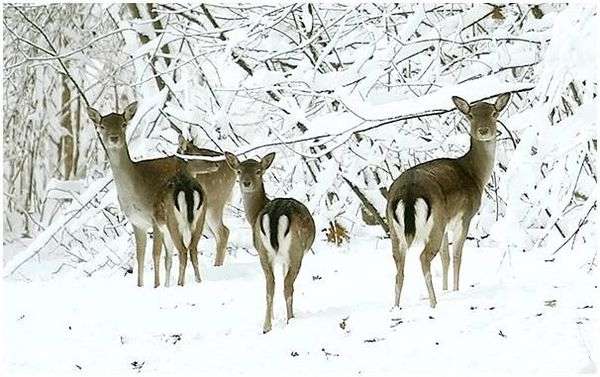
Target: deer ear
267 160
94 115
232 160
130 111
502 101
462 105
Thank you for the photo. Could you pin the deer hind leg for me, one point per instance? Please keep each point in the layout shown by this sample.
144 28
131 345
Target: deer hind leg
220 232
457 249
444 253
399 254
194 246
288 286
157 243
432 247
270 290
177 241
140 252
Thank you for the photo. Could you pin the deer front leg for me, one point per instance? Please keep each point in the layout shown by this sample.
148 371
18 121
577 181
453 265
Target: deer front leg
140 252
219 231
168 265
157 243
288 287
457 252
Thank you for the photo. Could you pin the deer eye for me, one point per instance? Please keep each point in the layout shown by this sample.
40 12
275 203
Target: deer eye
258 172
239 171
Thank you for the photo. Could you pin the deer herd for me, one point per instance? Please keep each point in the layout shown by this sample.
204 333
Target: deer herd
429 207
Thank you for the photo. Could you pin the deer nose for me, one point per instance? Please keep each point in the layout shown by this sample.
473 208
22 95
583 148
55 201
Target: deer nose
483 131
246 183
113 139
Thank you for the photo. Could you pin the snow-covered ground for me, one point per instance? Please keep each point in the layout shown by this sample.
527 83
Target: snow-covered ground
514 313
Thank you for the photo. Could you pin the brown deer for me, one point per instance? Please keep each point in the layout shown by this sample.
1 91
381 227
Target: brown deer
218 186
142 186
282 229
436 200
185 206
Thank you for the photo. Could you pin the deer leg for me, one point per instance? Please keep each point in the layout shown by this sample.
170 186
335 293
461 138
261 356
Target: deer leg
288 287
457 252
157 244
445 261
194 247
431 249
176 241
140 252
270 285
220 232
168 264
182 266
399 254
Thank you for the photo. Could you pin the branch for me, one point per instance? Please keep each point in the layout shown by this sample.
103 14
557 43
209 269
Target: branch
368 205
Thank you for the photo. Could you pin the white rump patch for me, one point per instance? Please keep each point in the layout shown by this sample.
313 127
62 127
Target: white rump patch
181 201
399 225
196 199
181 217
422 224
280 256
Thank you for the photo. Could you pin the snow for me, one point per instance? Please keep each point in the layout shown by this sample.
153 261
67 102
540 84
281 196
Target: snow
517 315
372 90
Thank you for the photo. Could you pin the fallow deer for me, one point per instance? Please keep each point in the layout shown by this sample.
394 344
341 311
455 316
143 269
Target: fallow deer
185 206
218 186
437 199
141 186
282 229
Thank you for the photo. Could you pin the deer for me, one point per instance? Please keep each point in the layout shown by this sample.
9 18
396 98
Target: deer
218 186
185 211
283 230
142 186
434 202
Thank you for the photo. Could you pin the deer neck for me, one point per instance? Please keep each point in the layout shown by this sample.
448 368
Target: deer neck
121 165
480 160
254 202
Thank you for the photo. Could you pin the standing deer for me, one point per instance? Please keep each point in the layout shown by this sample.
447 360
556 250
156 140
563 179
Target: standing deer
218 186
185 207
436 200
142 186
282 229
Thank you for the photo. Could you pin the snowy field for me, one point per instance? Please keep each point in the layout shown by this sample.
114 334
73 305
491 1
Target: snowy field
348 96
517 314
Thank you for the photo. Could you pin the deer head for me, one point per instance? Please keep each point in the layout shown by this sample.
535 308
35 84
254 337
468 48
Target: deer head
111 127
250 172
482 116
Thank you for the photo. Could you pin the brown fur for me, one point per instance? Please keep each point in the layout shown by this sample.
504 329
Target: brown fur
142 186
301 228
452 187
218 186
